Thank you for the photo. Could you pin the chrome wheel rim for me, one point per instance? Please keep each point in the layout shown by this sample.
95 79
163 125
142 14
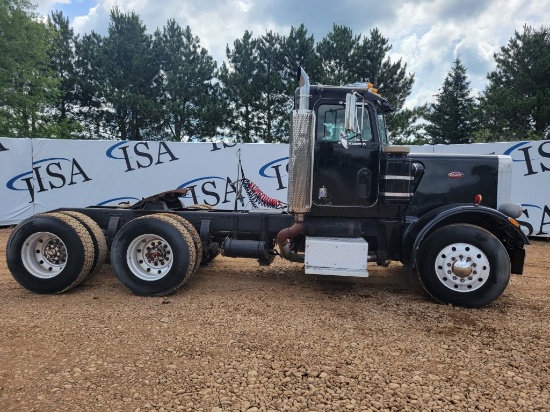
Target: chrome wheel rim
462 267
149 257
44 255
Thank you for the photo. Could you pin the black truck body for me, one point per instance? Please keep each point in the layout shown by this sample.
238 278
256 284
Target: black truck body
352 199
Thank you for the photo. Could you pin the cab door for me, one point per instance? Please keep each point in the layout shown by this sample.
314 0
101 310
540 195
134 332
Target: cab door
345 177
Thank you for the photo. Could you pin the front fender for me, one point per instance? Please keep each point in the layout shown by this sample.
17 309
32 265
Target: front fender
490 219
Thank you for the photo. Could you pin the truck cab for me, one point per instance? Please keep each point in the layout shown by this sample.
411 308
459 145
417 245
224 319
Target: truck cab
354 194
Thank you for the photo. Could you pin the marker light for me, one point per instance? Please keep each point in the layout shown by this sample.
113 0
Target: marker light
477 199
513 221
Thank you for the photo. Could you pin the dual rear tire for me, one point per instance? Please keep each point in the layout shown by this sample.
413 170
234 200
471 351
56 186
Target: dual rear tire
151 256
154 255
51 253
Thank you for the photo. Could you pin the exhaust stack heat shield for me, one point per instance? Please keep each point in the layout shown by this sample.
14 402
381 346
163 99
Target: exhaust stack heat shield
302 141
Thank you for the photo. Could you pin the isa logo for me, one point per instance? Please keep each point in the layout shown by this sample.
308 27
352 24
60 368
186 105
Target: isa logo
276 169
49 174
141 155
535 155
537 219
210 190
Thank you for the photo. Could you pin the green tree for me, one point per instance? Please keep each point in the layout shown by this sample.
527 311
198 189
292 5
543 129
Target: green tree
451 118
338 52
241 88
347 58
516 102
299 51
407 126
119 80
273 104
131 68
28 85
192 107
63 61
390 78
90 85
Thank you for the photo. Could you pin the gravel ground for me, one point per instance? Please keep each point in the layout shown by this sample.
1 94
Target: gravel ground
239 337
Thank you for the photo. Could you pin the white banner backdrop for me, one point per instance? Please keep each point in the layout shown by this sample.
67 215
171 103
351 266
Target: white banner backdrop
38 175
73 173
16 180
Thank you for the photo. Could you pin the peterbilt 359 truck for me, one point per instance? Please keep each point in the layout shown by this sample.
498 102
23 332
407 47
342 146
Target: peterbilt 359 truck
353 198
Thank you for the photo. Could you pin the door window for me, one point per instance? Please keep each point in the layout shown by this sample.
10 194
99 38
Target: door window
330 124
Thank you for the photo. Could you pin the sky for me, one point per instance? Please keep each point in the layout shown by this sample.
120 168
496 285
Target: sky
426 34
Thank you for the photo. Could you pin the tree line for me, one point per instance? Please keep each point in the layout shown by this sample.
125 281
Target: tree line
133 85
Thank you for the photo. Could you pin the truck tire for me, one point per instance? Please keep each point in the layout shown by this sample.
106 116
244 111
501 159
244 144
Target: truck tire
98 238
50 253
463 265
194 234
153 255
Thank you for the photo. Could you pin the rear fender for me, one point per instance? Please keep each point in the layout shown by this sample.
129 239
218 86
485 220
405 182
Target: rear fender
490 219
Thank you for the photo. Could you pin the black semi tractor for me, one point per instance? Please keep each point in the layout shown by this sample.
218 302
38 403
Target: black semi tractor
352 199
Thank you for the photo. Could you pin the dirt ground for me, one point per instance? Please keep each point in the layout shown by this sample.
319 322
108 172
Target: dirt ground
247 338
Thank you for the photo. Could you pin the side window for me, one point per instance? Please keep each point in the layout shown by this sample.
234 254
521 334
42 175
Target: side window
382 127
330 122
366 134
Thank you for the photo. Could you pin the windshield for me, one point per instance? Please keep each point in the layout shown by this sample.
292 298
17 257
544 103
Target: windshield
330 123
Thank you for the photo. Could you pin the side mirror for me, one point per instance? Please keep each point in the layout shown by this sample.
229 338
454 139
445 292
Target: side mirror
350 117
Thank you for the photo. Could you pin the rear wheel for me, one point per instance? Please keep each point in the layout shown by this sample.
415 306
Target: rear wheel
98 239
192 232
50 253
464 265
153 255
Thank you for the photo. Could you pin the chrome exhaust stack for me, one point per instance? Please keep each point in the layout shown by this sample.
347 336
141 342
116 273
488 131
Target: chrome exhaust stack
300 174
303 81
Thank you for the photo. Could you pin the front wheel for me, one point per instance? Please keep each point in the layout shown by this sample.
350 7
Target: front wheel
463 265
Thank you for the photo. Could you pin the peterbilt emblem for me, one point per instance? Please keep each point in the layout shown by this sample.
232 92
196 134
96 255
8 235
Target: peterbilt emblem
456 175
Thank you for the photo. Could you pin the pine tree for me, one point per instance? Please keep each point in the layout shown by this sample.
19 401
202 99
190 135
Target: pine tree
516 102
63 60
347 58
241 88
338 52
192 107
390 78
132 85
299 51
272 110
90 86
119 85
451 118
